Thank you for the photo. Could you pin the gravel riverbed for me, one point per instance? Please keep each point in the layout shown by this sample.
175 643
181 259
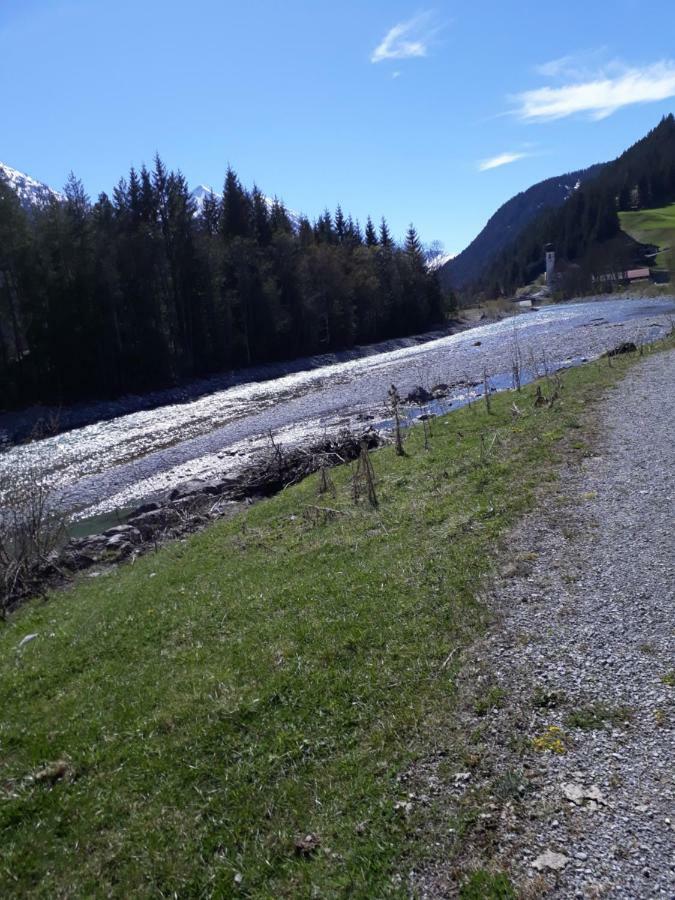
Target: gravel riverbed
577 754
126 460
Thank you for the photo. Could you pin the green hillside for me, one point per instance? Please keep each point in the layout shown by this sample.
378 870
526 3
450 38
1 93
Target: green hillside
587 229
231 714
652 226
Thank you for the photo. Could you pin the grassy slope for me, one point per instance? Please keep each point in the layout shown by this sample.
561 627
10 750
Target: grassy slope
267 678
651 226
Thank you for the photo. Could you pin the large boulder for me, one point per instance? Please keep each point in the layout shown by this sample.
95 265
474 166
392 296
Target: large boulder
74 560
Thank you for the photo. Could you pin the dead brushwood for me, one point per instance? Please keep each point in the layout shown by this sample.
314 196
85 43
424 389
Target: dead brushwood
31 530
394 403
278 467
363 479
427 430
486 391
516 359
320 515
486 447
326 485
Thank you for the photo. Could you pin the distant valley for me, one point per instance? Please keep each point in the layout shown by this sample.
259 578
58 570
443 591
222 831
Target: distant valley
509 222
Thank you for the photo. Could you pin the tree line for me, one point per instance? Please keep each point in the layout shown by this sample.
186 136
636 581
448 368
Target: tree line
142 289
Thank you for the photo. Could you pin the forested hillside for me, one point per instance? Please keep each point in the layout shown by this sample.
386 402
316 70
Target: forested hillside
586 230
509 222
141 290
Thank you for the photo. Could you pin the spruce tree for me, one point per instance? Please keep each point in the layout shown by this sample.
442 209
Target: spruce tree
262 229
235 208
371 234
137 291
413 247
385 236
340 224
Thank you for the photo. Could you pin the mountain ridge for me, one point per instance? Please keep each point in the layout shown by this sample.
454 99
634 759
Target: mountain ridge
509 221
585 230
30 191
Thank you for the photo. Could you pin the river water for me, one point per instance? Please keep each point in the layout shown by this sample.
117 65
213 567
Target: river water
115 464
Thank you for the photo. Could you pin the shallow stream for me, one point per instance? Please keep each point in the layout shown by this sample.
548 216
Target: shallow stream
115 464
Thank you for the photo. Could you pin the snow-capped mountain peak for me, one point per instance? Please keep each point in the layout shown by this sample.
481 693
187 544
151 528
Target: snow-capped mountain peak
200 193
439 259
29 191
34 193
205 190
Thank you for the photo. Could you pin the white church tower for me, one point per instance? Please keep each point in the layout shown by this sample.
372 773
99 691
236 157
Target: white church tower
550 263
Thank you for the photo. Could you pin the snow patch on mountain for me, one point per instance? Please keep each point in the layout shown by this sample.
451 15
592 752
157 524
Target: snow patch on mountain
570 190
30 192
202 191
439 259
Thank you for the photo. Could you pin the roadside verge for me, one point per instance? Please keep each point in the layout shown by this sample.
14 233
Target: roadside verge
237 712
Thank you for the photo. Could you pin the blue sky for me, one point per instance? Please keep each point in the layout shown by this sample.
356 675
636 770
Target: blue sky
433 113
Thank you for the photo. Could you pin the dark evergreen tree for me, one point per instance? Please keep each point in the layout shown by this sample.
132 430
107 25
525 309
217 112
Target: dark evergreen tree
235 208
340 225
371 234
139 291
262 227
414 249
385 236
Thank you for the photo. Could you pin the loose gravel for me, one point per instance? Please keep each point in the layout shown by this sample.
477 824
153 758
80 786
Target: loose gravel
125 461
574 770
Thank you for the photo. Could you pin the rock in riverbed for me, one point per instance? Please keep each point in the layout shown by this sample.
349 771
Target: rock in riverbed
155 521
551 861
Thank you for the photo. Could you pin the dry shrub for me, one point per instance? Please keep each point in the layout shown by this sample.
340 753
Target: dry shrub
31 529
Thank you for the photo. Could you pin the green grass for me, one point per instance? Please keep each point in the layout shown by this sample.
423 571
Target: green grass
483 885
264 680
491 699
652 226
598 715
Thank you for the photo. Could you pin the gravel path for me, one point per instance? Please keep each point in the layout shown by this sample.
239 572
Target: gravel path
577 747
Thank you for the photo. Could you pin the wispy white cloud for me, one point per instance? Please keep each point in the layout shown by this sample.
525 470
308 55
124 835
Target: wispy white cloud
555 67
581 66
503 159
406 40
597 96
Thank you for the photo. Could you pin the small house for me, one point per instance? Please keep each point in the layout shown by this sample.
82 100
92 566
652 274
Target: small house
633 275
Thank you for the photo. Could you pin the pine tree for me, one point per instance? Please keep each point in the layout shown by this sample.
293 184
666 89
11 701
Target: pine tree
210 213
385 236
323 230
371 234
138 291
413 247
280 222
235 208
340 224
262 229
